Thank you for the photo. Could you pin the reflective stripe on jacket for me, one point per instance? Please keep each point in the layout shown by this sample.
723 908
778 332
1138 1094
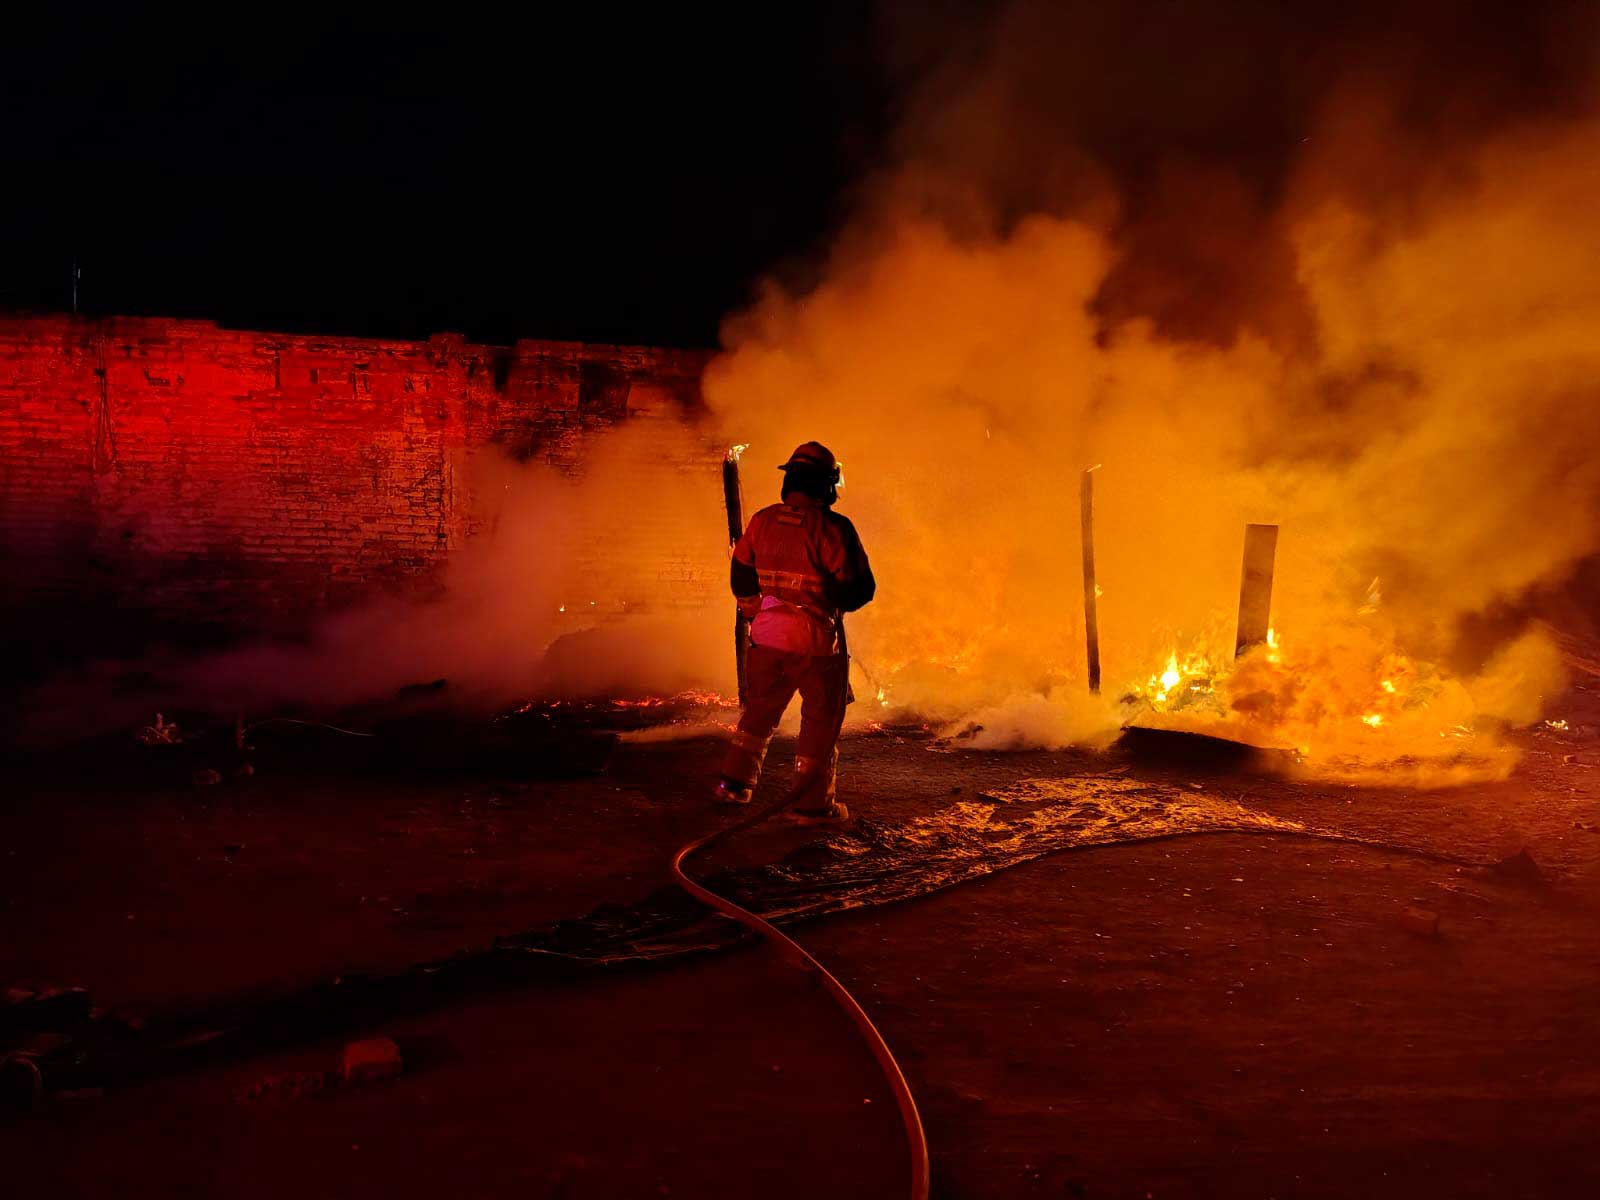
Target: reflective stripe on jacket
809 567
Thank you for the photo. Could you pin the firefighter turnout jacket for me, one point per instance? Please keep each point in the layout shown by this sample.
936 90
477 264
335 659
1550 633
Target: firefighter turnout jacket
798 567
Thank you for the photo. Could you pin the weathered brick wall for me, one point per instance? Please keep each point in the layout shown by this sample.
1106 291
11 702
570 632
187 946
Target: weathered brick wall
179 474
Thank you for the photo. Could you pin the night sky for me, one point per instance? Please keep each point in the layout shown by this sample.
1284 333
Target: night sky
624 175
633 172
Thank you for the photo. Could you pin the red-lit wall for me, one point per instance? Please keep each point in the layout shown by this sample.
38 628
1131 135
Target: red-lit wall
180 474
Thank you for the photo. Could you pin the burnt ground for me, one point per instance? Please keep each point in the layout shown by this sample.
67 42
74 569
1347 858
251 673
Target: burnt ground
1221 1015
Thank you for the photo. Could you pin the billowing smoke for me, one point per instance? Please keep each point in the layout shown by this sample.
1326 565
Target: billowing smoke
577 587
584 586
1336 280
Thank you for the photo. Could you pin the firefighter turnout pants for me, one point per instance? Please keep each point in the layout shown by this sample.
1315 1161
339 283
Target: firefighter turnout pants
772 678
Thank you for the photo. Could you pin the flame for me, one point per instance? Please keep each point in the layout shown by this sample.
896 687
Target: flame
689 698
1344 700
1179 681
1374 599
735 451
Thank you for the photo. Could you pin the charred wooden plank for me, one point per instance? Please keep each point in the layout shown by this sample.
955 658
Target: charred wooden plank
1255 586
733 502
1091 608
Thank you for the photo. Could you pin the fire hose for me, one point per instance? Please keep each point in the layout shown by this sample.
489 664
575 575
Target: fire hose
790 950
796 956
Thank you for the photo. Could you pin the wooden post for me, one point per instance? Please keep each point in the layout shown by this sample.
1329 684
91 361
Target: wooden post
1255 586
1091 609
733 501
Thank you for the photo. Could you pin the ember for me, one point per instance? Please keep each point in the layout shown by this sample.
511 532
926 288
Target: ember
684 699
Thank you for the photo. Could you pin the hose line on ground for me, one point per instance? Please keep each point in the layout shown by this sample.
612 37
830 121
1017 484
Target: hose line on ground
254 725
796 955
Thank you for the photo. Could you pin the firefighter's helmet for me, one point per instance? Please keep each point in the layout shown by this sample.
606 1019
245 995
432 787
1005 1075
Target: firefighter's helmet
813 456
814 463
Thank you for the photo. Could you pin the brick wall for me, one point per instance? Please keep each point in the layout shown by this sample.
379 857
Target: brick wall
159 474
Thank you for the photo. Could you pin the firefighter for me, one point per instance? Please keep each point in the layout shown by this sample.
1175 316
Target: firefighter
798 568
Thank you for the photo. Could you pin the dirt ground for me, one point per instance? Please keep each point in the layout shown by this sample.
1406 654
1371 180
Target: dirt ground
1222 1015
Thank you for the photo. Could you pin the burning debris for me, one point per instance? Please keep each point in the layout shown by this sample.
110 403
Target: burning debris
162 733
1256 695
